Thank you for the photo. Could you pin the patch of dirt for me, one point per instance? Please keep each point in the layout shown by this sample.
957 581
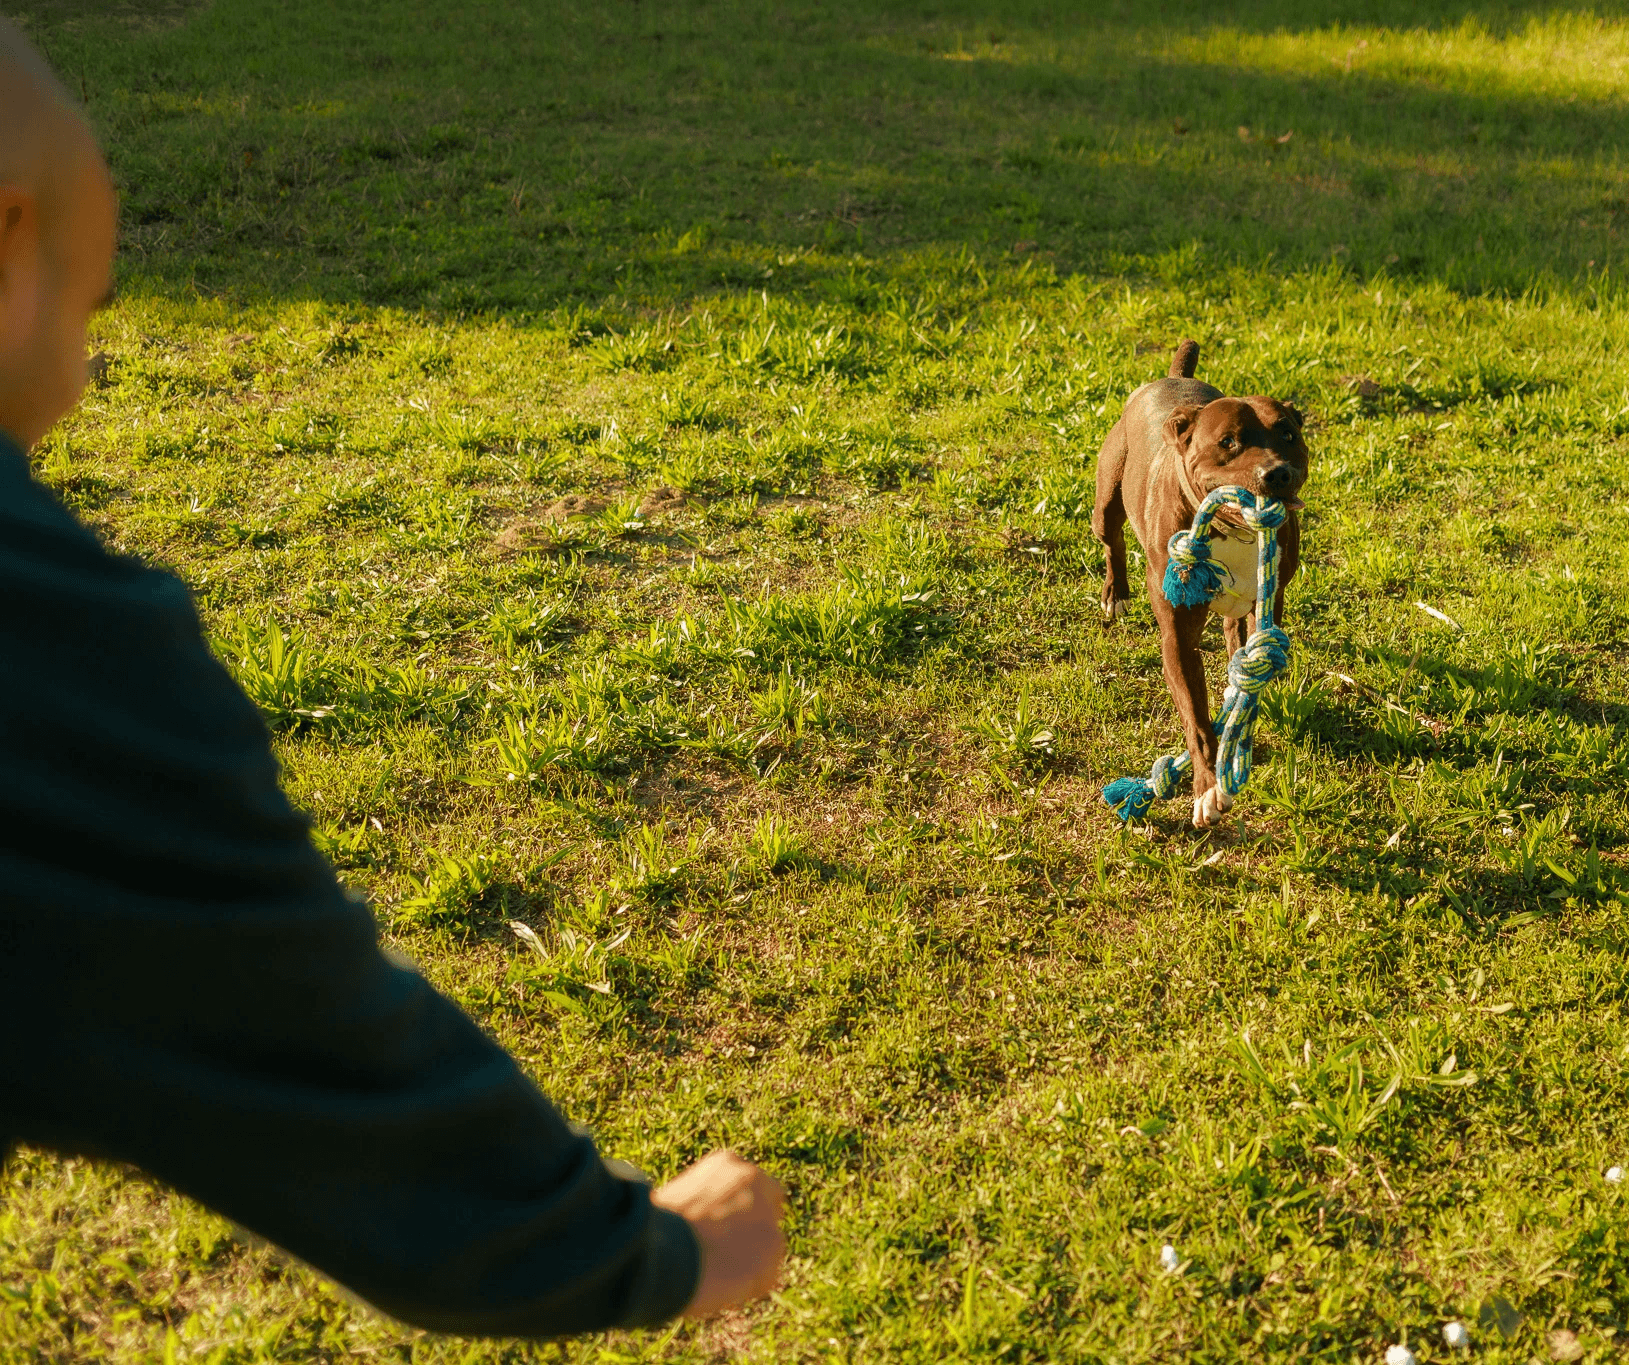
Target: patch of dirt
1018 542
1362 385
655 791
726 1337
527 532
574 505
660 501
516 537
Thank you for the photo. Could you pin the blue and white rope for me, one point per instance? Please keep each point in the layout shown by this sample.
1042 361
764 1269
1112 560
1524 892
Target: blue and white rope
1192 579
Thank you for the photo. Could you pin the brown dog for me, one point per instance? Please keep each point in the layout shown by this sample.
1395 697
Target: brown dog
1176 441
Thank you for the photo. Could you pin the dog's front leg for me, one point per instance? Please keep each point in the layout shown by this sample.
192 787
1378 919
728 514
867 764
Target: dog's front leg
1180 629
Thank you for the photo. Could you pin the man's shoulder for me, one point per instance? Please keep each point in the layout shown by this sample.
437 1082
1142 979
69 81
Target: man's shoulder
46 552
28 506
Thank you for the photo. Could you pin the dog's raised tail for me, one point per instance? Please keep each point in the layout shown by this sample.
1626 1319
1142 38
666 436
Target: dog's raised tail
1185 361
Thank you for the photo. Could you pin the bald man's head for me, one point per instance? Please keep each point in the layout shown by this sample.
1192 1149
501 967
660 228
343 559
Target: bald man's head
46 137
57 217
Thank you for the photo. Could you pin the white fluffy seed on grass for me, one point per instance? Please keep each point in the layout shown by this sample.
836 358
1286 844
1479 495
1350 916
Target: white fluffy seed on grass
1168 1258
1614 1176
1399 1355
1455 1335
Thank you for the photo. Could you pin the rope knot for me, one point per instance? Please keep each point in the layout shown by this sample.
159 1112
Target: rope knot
1166 774
1265 656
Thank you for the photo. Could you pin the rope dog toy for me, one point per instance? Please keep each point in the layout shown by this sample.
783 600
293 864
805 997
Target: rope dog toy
1192 579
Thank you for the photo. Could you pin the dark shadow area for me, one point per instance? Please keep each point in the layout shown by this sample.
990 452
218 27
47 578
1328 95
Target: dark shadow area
517 157
47 15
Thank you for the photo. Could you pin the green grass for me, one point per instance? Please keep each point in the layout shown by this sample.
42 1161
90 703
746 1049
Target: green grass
639 456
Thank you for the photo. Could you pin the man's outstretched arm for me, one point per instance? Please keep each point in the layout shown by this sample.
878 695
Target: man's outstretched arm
188 989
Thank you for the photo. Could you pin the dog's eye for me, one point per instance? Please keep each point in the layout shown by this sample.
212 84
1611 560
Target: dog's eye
1228 443
1286 431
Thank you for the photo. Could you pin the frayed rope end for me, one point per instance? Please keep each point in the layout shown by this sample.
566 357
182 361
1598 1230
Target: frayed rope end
1193 584
1129 797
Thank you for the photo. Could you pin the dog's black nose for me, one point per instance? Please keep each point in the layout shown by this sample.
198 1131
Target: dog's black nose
1281 479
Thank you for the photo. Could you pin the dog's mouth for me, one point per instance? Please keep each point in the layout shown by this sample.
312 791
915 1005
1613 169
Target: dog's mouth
1233 518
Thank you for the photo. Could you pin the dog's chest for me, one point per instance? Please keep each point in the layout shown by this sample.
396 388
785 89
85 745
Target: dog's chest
1236 551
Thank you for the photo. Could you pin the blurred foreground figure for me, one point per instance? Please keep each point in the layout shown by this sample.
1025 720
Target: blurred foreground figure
184 984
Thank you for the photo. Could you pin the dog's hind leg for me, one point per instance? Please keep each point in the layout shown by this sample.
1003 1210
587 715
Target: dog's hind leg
1109 522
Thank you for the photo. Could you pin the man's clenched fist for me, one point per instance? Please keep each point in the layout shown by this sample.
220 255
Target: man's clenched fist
735 1211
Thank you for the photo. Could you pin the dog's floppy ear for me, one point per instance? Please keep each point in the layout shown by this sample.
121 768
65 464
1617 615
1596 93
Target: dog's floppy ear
1295 416
1180 424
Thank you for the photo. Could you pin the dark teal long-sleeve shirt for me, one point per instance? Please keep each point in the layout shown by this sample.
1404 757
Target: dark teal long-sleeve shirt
185 986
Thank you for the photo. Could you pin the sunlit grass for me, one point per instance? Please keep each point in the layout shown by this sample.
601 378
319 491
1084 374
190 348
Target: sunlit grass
647 487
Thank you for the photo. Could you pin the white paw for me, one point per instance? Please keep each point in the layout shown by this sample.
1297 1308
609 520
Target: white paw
1114 610
1211 807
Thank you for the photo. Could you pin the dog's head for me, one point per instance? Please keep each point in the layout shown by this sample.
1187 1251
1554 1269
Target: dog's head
1252 443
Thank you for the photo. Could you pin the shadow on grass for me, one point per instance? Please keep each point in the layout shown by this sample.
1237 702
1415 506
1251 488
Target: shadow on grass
499 159
55 16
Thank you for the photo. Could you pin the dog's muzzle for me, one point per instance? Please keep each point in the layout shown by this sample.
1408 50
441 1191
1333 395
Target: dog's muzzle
1282 481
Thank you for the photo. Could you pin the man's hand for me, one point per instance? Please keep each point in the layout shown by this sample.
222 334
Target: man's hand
735 1211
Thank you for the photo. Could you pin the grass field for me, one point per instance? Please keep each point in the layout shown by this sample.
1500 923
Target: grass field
640 457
